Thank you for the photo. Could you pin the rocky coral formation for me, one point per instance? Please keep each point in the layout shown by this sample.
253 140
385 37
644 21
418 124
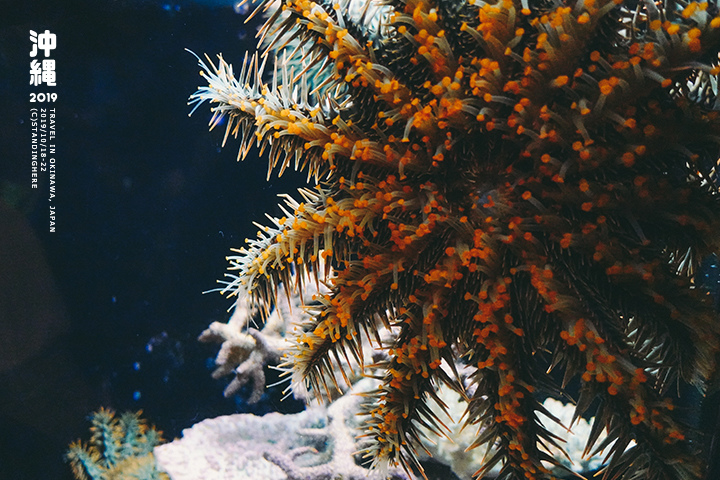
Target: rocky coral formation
316 444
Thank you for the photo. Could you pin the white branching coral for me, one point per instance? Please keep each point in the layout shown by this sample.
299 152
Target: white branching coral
246 351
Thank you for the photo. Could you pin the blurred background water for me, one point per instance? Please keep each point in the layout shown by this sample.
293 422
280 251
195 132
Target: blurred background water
106 310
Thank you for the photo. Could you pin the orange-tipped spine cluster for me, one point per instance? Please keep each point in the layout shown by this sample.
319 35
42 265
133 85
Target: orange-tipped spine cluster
508 185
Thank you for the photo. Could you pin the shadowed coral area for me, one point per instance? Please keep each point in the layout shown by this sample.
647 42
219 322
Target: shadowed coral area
514 186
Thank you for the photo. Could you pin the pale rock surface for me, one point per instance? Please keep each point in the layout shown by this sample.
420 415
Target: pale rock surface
232 447
316 444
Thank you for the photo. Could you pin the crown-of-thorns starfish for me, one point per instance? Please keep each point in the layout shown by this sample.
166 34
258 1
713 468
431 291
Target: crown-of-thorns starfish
510 185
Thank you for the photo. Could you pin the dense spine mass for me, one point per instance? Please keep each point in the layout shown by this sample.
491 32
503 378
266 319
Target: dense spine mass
506 185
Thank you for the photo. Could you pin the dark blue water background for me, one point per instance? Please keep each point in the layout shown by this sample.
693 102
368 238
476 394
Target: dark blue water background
148 206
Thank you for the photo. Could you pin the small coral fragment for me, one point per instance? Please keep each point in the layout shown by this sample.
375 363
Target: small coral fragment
119 449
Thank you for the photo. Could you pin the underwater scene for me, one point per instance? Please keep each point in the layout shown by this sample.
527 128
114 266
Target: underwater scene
360 239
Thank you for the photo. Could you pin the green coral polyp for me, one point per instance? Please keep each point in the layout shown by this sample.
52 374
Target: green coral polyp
507 185
119 449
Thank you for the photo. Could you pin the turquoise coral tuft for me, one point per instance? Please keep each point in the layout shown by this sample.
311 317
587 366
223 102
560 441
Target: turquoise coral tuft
119 449
512 186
